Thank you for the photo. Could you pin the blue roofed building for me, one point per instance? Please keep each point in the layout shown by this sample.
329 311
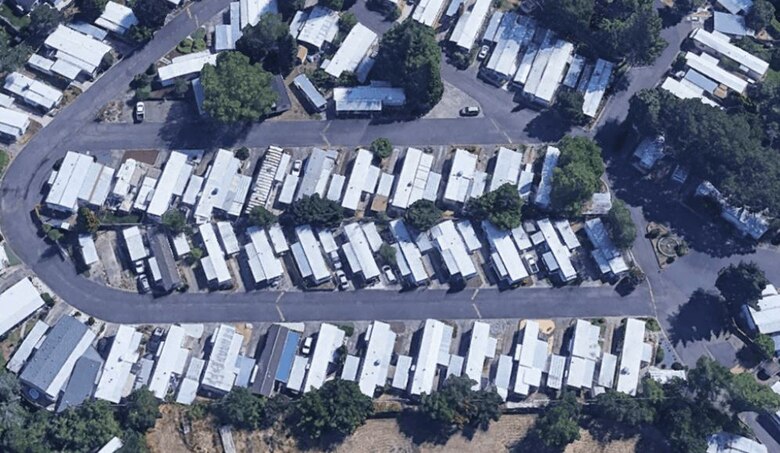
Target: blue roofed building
276 359
81 385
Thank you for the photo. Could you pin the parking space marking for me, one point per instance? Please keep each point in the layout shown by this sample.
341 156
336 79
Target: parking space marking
479 315
281 315
474 296
508 139
279 298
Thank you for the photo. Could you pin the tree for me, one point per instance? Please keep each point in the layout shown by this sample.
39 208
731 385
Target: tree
331 412
181 87
240 408
87 221
84 428
409 57
30 436
681 8
288 8
622 408
741 284
457 407
91 9
501 207
621 228
269 43
236 90
43 21
387 252
382 148
760 15
571 15
747 394
151 13
765 345
422 215
577 176
141 410
569 105
336 5
242 153
133 442
174 221
140 34
261 217
12 56
558 425
347 21
315 211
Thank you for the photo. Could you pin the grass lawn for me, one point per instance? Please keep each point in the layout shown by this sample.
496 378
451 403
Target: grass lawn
4 159
17 21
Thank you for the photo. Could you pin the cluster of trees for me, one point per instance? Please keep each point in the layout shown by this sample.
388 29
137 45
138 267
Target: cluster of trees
269 43
12 56
89 10
236 89
174 221
43 21
621 228
315 211
686 412
151 16
261 217
409 57
576 177
731 150
456 407
244 410
422 215
760 14
501 207
569 106
84 428
621 29
87 221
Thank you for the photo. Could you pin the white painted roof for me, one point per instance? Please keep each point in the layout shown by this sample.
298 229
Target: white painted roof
401 373
329 339
411 182
297 373
466 230
336 185
721 45
272 169
357 180
462 176
278 241
13 123
180 66
542 197
379 351
327 241
567 234
436 336
251 10
409 250
24 350
217 187
77 48
526 63
556 370
163 193
228 238
63 193
513 34
135 243
470 23
355 47
262 261
88 249
116 381
482 346
507 168
117 18
453 250
606 377
372 236
599 237
367 98
321 26
686 90
32 91
311 249
597 86
427 11
559 251
316 173
503 376
508 256
715 72
221 367
631 356
363 254
17 303
170 360
214 264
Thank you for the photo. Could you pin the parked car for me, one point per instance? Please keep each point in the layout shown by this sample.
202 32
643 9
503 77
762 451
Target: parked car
140 112
306 346
143 284
341 279
296 169
483 52
138 267
471 110
530 263
389 274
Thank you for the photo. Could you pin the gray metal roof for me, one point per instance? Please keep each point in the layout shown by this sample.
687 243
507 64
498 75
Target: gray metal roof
161 249
82 381
268 361
312 94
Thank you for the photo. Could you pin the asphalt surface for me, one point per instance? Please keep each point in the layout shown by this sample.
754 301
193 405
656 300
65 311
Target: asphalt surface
74 128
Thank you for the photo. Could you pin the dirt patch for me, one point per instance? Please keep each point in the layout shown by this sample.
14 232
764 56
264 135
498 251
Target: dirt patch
175 432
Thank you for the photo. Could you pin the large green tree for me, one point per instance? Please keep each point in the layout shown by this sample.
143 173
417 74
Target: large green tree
576 177
382 148
12 56
422 215
87 221
457 407
269 43
741 284
409 57
261 217
84 428
331 412
151 13
558 425
174 221
140 410
288 8
236 90
501 207
760 14
91 9
240 408
43 21
315 211
622 408
621 228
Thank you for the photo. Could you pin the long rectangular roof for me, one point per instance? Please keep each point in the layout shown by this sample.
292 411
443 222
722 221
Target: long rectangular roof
526 64
409 250
512 35
607 371
180 66
32 91
276 359
553 72
482 346
462 176
311 249
596 87
221 368
316 174
64 192
501 242
507 168
227 237
278 241
542 197
329 339
410 183
453 250
685 90
24 350
721 45
17 303
117 18
436 335
171 359
320 26
311 92
262 254
135 243
469 24
251 10
599 237
401 373
585 341
631 356
365 257
214 262
13 123
77 48
216 188
466 230
711 69
161 200
356 183
355 47
427 11
376 361
116 375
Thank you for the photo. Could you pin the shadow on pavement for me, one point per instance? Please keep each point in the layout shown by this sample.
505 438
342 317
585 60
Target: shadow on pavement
548 126
202 134
700 319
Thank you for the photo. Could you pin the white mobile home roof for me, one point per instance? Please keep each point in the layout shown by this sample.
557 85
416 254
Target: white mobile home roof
174 168
512 35
528 349
13 123
251 10
171 360
546 75
289 186
411 182
181 66
492 26
596 87
385 184
503 375
599 237
685 90
555 373
117 18
115 382
102 186
316 173
349 370
363 253
32 91
297 373
700 81
569 238
631 356
17 303
410 251
88 249
501 243
77 48
469 24
188 388
214 264
721 45
64 192
124 177
40 63
521 238
526 63
271 266
193 190
575 69
216 189
135 243
461 178
559 251
228 238
327 241
335 188
355 47
24 350
435 338
607 371
585 341
482 346
581 373
357 180
453 250
428 11
542 197
466 230
311 249
320 27
278 241
711 69
372 236
376 361
329 339
736 6
367 98
432 184
221 368
401 373
507 168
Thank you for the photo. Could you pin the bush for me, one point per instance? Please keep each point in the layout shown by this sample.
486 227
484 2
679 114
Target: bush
348 330
5 158
143 93
387 252
174 221
47 299
422 215
382 148
501 206
315 211
261 217
659 355
652 325
242 153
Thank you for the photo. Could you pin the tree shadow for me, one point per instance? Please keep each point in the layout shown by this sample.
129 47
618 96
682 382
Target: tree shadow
415 427
669 17
201 133
548 126
701 318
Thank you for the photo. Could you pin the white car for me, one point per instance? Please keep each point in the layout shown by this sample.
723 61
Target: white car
143 284
138 267
483 52
140 112
296 169
306 347
341 279
389 274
